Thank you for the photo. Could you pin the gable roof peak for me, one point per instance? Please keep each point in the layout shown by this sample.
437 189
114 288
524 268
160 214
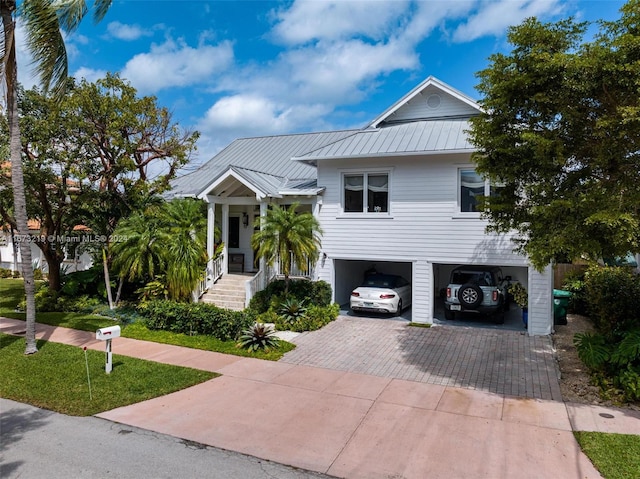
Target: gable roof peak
429 83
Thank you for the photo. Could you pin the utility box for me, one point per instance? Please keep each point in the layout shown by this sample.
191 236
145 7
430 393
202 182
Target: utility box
108 333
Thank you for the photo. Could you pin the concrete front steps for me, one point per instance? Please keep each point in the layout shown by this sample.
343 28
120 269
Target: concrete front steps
228 292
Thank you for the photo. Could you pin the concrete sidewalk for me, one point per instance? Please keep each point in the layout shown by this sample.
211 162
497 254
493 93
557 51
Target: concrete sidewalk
355 425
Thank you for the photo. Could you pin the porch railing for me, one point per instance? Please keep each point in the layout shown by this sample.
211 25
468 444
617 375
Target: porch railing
212 273
295 271
259 282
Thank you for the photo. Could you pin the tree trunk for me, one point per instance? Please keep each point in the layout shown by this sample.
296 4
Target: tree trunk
17 178
53 264
107 280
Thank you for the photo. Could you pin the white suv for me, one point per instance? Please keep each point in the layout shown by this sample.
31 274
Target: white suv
477 289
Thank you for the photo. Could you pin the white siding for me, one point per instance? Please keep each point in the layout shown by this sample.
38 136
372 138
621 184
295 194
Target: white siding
423 227
417 107
540 301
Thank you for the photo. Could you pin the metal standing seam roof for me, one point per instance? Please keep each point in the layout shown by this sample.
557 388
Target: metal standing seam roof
269 155
418 137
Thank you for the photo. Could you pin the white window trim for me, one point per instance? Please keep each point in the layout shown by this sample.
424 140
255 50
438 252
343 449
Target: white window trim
365 172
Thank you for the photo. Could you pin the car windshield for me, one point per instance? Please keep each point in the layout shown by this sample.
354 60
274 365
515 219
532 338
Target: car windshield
380 281
482 278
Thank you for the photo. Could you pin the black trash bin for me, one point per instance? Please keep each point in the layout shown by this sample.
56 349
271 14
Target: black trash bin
560 306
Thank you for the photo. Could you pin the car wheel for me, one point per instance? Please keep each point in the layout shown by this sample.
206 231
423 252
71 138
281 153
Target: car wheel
470 295
399 310
449 315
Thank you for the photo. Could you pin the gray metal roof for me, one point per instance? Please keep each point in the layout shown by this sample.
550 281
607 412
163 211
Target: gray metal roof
419 137
269 155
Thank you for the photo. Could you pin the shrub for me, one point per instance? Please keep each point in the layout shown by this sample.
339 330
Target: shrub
259 336
314 318
629 381
613 299
90 282
195 318
575 284
5 273
37 274
312 292
45 299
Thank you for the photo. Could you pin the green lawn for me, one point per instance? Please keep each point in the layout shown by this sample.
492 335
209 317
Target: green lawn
11 293
56 378
616 456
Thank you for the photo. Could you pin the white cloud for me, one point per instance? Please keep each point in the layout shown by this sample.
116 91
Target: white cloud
176 64
246 115
493 18
127 33
311 20
89 74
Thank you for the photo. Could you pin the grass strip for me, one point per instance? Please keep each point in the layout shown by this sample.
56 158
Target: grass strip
55 378
616 456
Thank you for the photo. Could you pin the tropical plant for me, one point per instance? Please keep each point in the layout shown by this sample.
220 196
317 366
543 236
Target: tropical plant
291 310
259 336
43 22
592 349
170 240
520 295
287 236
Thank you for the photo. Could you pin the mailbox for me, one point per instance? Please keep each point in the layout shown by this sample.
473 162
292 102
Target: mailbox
108 333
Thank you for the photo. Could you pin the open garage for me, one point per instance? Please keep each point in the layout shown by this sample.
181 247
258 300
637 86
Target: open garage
349 274
513 317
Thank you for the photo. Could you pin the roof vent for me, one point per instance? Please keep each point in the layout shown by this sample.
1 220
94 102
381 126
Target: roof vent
433 101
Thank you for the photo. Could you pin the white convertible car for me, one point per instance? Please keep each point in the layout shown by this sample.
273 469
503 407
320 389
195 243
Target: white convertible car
383 293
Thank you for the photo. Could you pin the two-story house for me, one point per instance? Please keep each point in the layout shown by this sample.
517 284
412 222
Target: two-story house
398 195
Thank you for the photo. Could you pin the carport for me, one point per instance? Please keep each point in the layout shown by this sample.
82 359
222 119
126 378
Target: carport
349 274
513 317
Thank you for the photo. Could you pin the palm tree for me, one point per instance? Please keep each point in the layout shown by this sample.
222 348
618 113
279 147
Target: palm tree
42 20
285 235
170 240
187 246
140 253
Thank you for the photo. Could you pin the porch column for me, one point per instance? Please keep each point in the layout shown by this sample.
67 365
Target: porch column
211 228
263 212
225 238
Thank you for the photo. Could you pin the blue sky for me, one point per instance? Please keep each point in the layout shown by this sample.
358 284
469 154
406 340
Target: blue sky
232 69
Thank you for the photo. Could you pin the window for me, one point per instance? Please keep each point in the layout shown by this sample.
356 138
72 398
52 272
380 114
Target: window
472 187
376 199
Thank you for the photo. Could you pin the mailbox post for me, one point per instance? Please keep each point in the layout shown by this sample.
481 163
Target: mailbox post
107 334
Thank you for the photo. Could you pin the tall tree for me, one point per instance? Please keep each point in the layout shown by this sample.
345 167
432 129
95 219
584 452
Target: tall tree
560 133
286 235
70 181
43 20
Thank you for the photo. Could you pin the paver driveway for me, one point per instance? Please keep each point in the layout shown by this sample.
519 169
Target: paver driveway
503 362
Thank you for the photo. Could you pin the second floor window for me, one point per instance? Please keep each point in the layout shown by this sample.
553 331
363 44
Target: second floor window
366 193
471 187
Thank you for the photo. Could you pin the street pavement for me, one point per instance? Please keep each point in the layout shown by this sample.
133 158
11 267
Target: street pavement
40 444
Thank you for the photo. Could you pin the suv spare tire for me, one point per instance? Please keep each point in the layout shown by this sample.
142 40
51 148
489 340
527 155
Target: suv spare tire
470 295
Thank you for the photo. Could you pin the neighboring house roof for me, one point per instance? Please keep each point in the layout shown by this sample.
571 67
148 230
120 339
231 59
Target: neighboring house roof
430 119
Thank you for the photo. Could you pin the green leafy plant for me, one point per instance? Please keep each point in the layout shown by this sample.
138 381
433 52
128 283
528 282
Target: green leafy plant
592 349
520 295
292 310
260 336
